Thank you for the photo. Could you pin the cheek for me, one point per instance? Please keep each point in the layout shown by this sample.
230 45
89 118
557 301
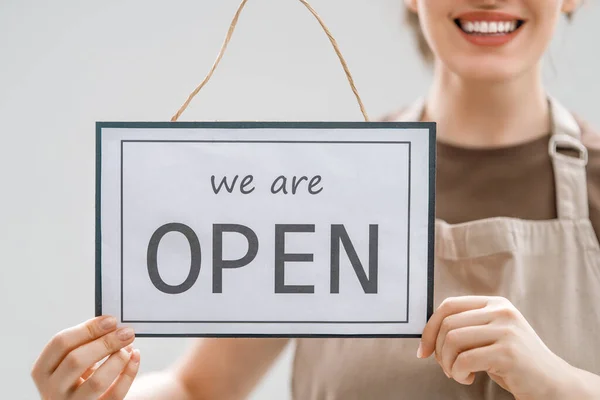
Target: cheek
545 15
436 25
435 20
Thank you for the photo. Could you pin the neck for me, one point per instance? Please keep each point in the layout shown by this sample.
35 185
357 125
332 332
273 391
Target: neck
473 113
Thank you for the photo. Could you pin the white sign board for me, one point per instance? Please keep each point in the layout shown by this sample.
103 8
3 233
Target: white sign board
266 229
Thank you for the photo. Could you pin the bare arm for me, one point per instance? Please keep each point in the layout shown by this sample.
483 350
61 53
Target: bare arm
581 385
224 369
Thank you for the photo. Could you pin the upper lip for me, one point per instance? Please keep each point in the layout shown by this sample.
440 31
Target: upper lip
487 16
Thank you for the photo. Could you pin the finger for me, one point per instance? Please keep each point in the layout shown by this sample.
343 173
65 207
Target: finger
119 389
475 317
79 360
465 339
475 360
448 307
90 371
69 339
103 377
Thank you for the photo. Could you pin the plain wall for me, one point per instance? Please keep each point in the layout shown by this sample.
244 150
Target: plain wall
65 65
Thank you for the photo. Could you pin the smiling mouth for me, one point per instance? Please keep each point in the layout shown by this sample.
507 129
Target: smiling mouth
489 28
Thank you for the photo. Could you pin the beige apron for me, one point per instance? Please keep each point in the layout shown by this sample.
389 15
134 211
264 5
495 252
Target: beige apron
550 270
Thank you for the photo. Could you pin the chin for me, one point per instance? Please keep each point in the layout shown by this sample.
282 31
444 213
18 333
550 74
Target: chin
484 68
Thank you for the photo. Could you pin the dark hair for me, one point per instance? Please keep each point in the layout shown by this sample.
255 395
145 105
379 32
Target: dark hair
412 19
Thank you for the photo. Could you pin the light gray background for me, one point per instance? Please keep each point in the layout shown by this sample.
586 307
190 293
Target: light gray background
66 64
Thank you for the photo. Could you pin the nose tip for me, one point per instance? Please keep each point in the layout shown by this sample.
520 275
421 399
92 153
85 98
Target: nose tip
488 4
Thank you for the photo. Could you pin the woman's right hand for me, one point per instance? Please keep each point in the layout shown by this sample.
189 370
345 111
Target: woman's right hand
69 366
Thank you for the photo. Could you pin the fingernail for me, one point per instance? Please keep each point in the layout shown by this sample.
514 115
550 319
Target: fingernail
129 348
447 375
420 351
125 334
135 356
108 323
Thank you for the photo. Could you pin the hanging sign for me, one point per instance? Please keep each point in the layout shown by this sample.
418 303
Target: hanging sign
278 229
266 229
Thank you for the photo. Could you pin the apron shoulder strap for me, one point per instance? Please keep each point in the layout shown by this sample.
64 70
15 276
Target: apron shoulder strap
569 171
412 113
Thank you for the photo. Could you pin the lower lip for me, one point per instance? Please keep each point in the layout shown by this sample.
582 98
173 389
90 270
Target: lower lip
490 40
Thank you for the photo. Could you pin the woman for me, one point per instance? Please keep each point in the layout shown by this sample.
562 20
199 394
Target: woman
517 254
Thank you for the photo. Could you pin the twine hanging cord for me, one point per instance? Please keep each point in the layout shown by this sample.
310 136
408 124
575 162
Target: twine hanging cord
228 38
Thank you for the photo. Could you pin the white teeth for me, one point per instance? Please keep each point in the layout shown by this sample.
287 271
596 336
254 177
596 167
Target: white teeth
488 27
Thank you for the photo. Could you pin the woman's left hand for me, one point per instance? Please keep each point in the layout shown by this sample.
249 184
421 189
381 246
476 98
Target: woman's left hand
472 334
